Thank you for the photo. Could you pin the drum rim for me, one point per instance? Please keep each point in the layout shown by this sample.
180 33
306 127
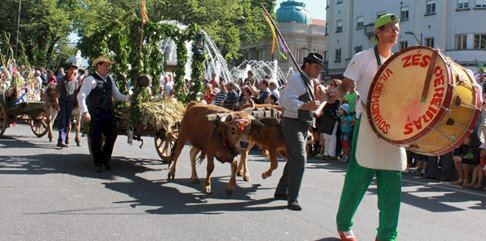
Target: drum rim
433 122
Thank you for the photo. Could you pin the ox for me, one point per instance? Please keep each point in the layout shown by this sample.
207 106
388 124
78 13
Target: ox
269 138
217 133
52 111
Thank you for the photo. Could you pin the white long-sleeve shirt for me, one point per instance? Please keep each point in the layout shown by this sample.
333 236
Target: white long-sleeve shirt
289 96
89 83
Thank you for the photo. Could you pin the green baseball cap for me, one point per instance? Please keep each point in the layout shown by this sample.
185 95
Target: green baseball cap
382 20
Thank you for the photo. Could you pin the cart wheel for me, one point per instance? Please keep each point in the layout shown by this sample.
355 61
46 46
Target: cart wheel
3 119
164 141
39 125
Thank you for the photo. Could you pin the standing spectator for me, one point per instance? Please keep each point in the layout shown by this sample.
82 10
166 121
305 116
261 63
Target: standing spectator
169 86
66 88
329 122
44 77
60 73
298 100
370 156
51 76
95 100
345 124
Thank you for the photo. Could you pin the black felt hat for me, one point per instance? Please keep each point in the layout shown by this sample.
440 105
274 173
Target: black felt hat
314 58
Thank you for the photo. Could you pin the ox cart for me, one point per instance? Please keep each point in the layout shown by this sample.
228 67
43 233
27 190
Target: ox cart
163 128
32 113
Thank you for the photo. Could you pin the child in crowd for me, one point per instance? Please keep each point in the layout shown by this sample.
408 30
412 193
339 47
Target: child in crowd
346 128
465 158
479 170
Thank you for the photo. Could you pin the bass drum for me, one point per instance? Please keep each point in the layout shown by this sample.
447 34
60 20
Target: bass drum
424 101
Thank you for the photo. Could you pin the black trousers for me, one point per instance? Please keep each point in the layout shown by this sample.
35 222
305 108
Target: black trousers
103 136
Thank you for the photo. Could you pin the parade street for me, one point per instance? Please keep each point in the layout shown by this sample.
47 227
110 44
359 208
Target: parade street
48 193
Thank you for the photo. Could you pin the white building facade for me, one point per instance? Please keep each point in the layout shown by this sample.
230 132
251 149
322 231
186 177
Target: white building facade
456 27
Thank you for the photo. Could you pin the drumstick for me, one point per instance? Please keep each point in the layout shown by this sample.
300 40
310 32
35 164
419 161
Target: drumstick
428 77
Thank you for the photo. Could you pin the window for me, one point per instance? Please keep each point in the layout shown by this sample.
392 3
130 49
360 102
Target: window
430 8
358 49
403 44
324 54
480 3
404 13
480 41
461 41
339 1
359 22
462 4
429 42
338 56
326 29
339 26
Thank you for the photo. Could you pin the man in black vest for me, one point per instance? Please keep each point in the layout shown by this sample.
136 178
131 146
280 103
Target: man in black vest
299 102
96 104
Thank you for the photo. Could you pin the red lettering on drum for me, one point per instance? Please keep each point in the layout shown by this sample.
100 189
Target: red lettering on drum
439 76
384 77
416 59
425 61
421 121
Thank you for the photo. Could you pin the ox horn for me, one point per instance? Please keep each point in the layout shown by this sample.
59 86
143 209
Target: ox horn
217 117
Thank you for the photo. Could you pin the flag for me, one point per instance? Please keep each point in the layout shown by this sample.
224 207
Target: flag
277 40
143 11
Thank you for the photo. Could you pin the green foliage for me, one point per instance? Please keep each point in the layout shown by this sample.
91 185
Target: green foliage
44 26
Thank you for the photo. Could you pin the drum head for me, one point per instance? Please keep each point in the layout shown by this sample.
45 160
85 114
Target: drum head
396 108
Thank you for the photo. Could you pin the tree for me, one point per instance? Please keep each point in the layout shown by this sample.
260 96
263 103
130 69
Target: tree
44 27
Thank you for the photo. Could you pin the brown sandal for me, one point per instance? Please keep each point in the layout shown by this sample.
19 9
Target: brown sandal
459 181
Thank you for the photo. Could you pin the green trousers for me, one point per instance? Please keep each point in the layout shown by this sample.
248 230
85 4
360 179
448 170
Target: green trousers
356 183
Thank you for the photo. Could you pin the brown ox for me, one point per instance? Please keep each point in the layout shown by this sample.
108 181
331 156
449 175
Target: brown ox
269 138
217 133
52 111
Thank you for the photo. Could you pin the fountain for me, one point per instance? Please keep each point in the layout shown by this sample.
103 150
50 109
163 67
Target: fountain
217 64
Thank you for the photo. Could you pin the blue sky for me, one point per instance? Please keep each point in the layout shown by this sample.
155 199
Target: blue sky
316 8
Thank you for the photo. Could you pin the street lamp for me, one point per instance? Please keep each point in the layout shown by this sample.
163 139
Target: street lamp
415 37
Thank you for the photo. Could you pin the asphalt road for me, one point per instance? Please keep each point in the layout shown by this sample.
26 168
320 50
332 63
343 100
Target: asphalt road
47 193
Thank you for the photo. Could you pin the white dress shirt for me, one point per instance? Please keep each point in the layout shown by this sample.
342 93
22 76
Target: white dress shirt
89 83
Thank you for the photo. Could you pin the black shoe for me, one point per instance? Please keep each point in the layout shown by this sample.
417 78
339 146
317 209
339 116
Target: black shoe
99 169
107 166
294 205
280 196
60 144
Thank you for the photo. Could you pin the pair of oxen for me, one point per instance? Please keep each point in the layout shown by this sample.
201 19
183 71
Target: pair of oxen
215 132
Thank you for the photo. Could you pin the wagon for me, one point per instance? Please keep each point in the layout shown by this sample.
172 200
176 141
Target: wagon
32 113
164 137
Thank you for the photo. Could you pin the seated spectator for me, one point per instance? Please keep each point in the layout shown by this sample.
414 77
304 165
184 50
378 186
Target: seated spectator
272 85
465 158
271 100
208 94
479 171
263 92
245 97
221 95
232 97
